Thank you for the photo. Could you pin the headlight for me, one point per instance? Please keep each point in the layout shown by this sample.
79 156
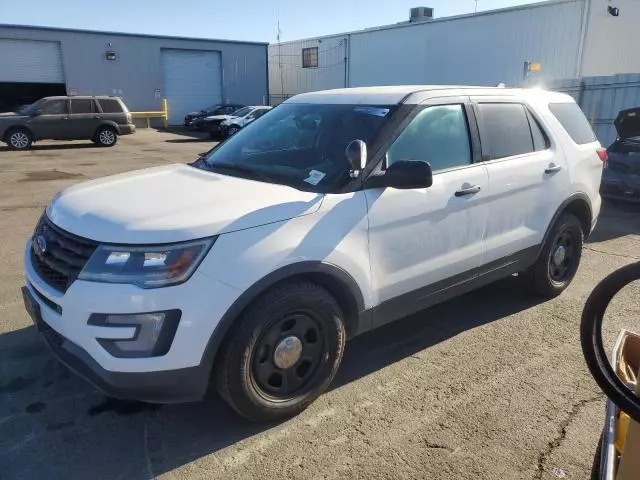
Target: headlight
147 267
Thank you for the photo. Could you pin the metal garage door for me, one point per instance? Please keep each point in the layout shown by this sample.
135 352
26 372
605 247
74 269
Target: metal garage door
30 61
192 81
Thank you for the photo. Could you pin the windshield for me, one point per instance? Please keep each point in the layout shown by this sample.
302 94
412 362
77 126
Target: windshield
30 109
242 112
301 145
212 108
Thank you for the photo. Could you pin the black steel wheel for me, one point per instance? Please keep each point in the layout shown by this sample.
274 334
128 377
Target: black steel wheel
288 356
559 260
282 353
562 256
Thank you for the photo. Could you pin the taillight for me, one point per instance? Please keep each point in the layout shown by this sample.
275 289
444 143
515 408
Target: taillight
602 153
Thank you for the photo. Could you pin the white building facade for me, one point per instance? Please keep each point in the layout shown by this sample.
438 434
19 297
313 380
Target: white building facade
564 38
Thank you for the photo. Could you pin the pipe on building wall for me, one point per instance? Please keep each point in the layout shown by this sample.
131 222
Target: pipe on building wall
583 36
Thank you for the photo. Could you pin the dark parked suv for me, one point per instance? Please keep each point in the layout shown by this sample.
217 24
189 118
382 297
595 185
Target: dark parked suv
100 119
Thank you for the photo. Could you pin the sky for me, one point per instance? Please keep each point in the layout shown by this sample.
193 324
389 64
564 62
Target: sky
251 20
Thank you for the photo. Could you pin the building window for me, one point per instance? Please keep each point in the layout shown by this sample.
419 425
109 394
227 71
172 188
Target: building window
310 57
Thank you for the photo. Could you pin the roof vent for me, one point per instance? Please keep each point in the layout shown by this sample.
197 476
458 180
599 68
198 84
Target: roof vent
421 14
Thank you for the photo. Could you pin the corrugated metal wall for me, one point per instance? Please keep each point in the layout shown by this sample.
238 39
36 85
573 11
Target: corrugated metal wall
285 67
482 49
601 98
479 50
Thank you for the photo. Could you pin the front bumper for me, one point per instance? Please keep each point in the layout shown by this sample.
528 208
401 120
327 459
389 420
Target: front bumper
180 375
127 129
172 386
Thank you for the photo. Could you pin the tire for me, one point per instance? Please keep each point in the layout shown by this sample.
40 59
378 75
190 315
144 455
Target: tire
19 139
265 375
231 131
105 137
555 268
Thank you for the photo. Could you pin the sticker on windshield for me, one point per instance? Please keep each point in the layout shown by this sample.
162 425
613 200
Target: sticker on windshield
378 112
315 177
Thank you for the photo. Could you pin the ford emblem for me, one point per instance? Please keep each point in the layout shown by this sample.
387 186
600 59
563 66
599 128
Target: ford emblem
41 245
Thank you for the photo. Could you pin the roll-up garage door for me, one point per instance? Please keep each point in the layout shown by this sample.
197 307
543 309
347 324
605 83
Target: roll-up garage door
192 81
30 61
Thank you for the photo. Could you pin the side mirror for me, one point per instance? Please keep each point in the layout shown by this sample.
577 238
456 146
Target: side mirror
404 174
356 153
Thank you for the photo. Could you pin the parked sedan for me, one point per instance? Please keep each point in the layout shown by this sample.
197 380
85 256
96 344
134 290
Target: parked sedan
240 119
193 119
621 175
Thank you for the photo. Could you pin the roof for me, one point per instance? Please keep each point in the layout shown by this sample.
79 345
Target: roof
123 34
408 24
393 95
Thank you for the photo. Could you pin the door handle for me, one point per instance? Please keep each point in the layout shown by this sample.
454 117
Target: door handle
468 190
97 116
553 168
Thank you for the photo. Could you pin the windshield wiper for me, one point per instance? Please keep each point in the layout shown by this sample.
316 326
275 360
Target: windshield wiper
242 169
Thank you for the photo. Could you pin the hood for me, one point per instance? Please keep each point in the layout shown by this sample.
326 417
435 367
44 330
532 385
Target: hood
174 203
218 117
11 114
628 123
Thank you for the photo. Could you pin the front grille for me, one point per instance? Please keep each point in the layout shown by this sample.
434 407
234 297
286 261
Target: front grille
63 257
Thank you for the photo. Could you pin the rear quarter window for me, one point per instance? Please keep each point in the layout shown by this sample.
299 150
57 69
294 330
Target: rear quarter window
573 121
110 106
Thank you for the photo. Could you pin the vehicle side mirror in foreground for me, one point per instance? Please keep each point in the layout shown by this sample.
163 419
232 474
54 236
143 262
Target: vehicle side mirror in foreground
403 174
356 153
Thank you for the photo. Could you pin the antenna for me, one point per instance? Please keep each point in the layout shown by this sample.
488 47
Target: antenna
280 59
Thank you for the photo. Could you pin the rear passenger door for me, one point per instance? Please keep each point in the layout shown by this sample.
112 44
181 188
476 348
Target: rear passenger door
83 119
527 176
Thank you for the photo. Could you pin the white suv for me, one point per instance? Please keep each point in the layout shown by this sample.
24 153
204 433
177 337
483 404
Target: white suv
338 212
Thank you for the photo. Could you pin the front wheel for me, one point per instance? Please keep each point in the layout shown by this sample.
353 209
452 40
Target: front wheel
105 137
283 352
558 263
233 130
19 139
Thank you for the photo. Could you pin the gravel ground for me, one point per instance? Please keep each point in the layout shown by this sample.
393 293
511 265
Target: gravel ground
488 386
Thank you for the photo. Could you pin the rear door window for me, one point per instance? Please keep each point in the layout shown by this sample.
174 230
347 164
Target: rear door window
573 121
80 106
110 106
504 130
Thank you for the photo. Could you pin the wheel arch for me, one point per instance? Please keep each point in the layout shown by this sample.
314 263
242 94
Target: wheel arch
12 128
578 205
334 279
107 123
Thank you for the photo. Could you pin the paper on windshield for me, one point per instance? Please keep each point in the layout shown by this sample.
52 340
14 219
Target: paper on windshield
376 111
315 177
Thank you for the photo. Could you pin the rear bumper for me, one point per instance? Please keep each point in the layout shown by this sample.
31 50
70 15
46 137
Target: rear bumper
619 191
127 129
168 386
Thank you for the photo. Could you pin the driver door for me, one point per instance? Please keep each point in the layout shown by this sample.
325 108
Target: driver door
427 243
52 121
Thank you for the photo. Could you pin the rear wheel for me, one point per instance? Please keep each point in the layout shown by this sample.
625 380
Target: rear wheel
558 263
19 139
283 353
105 137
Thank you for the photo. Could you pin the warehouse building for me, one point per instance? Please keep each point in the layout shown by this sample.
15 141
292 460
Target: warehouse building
536 42
190 73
